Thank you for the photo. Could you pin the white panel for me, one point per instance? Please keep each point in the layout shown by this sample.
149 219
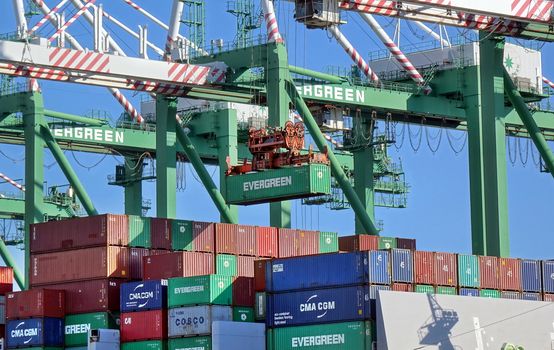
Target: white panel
238 336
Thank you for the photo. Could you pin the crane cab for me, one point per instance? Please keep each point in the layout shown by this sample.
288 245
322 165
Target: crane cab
317 13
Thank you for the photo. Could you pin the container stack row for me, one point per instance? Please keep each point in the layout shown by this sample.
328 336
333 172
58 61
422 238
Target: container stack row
6 286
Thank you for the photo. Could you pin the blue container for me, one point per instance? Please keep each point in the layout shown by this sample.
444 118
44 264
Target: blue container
317 271
548 276
531 280
143 296
531 296
379 267
469 292
35 332
318 306
373 291
402 266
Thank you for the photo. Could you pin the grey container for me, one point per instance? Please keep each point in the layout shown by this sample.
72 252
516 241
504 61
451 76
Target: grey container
2 309
103 339
238 336
196 320
260 306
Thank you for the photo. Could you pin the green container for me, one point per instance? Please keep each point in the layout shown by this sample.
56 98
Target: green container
193 343
328 242
200 290
339 336
260 306
226 265
489 293
447 290
468 271
181 235
279 184
145 345
387 243
139 232
77 326
243 314
420 288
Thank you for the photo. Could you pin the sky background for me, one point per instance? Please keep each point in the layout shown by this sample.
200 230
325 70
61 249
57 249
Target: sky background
438 213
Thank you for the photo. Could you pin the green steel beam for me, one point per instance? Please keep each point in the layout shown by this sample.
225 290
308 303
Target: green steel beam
527 118
14 208
166 157
336 168
74 118
68 170
10 261
205 177
317 75
363 172
226 124
133 189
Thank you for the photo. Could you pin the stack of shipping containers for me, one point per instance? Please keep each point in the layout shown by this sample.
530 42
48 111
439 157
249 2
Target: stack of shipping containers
6 286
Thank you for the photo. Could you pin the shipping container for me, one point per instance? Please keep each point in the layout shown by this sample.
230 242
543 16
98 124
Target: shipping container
446 269
317 271
196 320
531 296
160 230
531 277
489 272
489 293
210 289
510 295
178 264
79 265
402 287
193 343
226 265
402 266
387 243
136 260
226 238
6 280
308 242
243 314
509 274
246 240
139 232
245 265
548 276
548 297
288 242
358 243
181 235
424 267
469 292
259 274
424 288
406 243
267 242
468 271
243 291
318 306
35 303
90 296
373 293
279 184
328 242
85 232
203 237
78 326
34 332
446 290
238 336
143 296
143 325
145 345
260 306
379 267
3 314
335 336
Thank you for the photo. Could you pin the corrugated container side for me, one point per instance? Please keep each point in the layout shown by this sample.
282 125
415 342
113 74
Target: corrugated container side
548 276
446 269
226 238
288 242
424 288
77 327
260 306
548 297
196 320
145 345
203 236
143 296
510 295
6 279
402 287
90 231
160 229
509 274
387 243
531 279
196 343
328 242
424 267
243 291
447 290
259 275
308 242
90 296
379 267
245 266
469 292
139 232
143 325
35 303
358 243
531 296
489 293
243 314
246 240
33 332
373 292
136 257
179 264
406 243
226 264
81 264
468 271
2 313
210 289
488 269
181 235
402 266
267 244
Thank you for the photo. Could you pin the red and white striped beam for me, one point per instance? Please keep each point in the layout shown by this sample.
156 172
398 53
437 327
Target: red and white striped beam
273 34
11 182
548 82
71 20
353 53
174 25
48 16
396 52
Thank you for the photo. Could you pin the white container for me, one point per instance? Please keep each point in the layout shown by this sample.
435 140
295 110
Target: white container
196 320
103 339
238 336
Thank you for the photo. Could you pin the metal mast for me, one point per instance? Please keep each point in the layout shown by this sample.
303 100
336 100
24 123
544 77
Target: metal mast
247 20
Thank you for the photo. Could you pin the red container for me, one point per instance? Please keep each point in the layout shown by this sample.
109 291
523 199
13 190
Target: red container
136 256
424 267
90 231
6 280
246 240
226 238
402 287
308 242
245 266
446 269
259 275
90 296
488 270
510 274
203 237
288 242
160 230
37 303
358 243
243 291
178 264
406 243
143 325
80 264
267 244
548 297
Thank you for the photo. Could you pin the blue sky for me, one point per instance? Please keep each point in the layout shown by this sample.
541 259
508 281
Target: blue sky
438 204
